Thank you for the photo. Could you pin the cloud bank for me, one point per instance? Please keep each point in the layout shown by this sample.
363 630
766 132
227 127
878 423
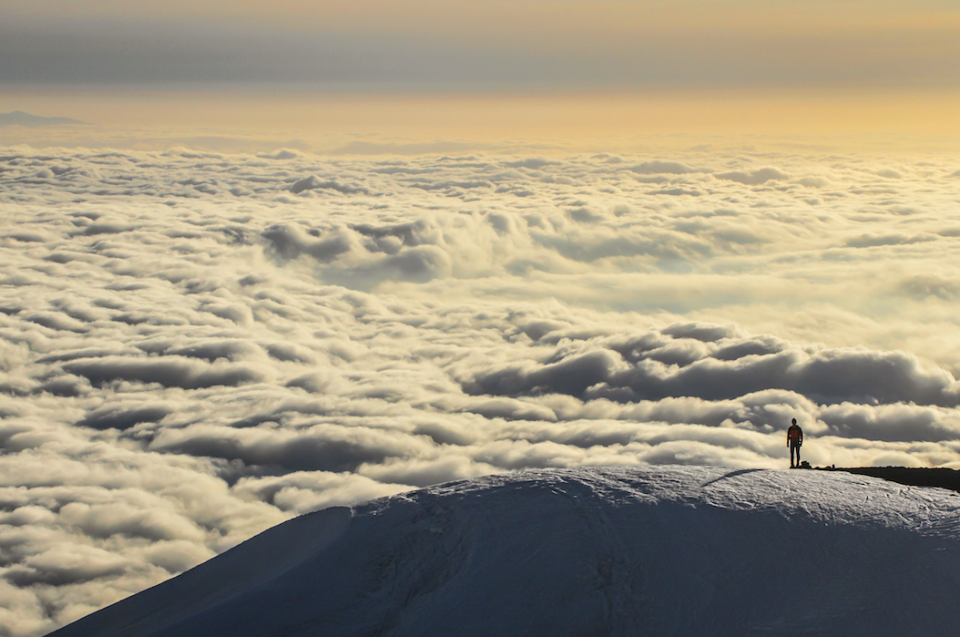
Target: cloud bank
194 347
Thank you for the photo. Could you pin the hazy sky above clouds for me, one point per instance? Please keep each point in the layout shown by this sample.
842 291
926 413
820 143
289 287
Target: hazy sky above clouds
455 44
535 75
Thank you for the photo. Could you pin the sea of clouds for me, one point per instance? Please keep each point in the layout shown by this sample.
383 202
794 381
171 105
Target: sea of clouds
195 347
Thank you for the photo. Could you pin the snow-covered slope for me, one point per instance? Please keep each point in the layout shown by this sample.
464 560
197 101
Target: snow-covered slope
638 551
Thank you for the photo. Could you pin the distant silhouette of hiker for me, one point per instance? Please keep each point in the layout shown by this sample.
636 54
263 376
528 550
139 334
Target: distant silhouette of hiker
794 441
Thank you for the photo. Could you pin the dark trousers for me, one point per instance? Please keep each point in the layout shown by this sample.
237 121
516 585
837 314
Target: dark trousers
794 449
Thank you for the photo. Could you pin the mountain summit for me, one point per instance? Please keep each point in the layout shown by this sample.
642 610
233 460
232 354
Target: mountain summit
601 551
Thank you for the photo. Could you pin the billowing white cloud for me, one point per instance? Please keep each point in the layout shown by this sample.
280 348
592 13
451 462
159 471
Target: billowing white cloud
194 347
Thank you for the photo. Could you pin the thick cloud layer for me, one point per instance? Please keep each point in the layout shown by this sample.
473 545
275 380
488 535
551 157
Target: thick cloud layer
194 347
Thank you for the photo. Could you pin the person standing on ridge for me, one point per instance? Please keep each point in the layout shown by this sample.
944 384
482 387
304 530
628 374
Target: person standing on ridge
794 441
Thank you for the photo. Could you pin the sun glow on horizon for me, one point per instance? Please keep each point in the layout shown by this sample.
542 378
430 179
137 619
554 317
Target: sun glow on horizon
325 122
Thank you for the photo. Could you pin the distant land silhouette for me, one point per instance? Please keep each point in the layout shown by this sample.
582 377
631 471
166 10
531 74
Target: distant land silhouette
19 118
910 476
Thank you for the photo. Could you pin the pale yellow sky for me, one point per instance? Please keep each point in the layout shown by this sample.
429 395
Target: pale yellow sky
320 74
506 14
548 123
